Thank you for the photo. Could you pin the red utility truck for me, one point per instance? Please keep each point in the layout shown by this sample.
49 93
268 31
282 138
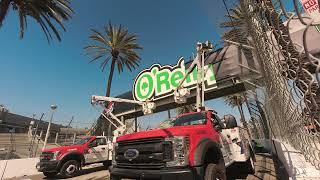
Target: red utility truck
198 146
68 160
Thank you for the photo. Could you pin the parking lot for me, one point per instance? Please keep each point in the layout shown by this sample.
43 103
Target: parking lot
266 168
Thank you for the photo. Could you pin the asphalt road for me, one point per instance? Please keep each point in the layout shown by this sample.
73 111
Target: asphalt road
266 168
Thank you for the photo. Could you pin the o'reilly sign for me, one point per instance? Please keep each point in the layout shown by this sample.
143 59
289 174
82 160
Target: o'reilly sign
161 81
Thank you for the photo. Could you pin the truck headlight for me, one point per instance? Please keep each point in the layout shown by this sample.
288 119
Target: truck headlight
114 162
180 148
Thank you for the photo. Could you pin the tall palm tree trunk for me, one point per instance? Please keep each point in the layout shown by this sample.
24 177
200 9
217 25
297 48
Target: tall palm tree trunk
4 7
263 118
110 76
256 132
243 121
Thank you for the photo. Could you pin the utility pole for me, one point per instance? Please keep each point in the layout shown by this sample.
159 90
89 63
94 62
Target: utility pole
53 108
65 140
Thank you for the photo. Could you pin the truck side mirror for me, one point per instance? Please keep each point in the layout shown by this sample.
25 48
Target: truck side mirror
230 121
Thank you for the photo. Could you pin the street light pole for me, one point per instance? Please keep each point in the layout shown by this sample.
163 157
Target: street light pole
53 108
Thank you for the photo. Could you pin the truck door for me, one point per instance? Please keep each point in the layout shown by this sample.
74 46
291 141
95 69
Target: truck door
98 150
224 144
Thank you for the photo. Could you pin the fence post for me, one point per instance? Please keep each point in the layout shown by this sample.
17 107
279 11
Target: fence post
41 132
56 140
74 137
135 124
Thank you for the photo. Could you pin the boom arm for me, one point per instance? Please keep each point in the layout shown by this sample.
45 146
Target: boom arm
146 106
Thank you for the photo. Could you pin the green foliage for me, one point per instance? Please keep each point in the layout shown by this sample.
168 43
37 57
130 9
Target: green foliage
45 12
237 25
115 42
238 31
234 100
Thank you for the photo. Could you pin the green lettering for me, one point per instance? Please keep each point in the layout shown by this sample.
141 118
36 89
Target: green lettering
162 79
192 76
212 77
144 87
176 77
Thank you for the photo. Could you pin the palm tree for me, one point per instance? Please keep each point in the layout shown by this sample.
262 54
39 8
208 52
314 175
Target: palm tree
237 100
117 45
42 11
238 32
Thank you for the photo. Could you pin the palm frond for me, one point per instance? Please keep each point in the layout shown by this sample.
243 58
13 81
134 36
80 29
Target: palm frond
4 9
45 12
117 43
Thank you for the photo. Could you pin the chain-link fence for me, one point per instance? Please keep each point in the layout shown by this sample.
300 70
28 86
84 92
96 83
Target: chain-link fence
284 104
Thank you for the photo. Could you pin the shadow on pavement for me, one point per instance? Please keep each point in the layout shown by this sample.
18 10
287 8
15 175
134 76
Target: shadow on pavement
84 172
266 167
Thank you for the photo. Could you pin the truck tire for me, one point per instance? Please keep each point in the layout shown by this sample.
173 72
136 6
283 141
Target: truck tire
70 169
107 163
215 171
249 165
230 121
50 174
113 177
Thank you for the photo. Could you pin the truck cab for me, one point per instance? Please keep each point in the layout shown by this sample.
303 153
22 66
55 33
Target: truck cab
198 146
68 160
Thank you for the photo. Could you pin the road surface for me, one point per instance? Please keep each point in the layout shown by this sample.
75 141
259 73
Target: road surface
266 168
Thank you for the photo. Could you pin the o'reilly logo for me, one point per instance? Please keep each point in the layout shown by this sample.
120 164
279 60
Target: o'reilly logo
161 81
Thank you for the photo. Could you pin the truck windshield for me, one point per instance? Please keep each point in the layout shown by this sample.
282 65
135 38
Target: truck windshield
192 119
82 141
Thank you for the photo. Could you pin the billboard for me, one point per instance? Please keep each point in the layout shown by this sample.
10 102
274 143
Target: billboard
160 81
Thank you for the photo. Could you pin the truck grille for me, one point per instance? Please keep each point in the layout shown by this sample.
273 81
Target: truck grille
153 153
46 156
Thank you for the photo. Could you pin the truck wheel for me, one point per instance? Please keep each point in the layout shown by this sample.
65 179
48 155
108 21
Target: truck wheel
215 171
70 168
50 174
107 163
250 166
113 177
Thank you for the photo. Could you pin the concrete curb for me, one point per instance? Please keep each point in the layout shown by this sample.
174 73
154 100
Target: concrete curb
294 162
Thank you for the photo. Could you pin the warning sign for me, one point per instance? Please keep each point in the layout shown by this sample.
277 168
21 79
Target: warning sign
311 7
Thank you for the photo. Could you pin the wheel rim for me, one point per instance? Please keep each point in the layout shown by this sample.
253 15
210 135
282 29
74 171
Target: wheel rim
71 169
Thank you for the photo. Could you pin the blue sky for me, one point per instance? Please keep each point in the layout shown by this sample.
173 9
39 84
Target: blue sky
35 75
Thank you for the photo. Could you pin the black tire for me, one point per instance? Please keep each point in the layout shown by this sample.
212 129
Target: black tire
107 163
70 169
249 165
215 171
50 174
113 177
230 121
